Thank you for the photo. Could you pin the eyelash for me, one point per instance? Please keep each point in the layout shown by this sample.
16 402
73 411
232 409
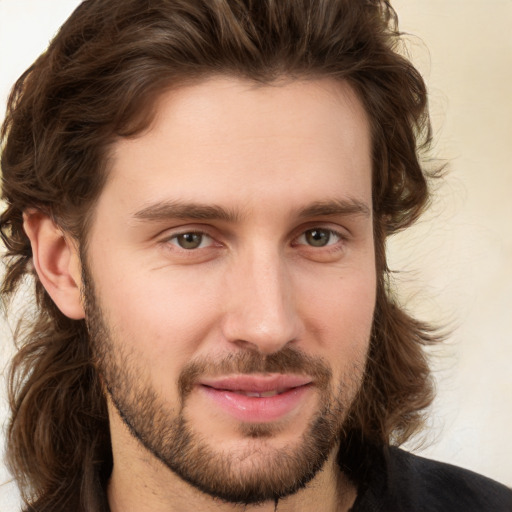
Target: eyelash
341 238
329 232
184 233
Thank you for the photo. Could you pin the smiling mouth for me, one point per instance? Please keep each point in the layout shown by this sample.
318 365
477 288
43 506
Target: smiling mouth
258 398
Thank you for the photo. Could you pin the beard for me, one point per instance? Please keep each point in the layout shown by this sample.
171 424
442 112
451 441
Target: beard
254 474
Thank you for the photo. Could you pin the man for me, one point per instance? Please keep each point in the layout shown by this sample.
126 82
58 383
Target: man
202 191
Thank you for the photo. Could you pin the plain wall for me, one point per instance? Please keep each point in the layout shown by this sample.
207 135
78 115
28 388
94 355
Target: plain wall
455 267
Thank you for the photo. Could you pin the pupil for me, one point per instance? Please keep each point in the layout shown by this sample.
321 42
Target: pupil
317 237
190 240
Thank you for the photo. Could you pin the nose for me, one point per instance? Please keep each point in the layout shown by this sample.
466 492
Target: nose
261 311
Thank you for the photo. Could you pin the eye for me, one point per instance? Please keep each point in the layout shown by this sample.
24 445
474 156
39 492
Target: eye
319 237
191 240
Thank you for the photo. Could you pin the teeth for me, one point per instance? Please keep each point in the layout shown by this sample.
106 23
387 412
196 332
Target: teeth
269 393
264 394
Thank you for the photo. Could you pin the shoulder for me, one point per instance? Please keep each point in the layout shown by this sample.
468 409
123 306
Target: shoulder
398 481
419 484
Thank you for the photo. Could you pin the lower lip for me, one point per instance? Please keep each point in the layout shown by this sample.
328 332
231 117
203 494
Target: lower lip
257 409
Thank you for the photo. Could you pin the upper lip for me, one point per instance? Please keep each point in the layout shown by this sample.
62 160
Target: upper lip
257 383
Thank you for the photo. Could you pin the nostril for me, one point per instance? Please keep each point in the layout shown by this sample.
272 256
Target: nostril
265 347
246 345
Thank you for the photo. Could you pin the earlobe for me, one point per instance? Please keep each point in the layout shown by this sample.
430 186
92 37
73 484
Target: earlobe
56 262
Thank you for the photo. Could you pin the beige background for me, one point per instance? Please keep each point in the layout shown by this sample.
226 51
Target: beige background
455 265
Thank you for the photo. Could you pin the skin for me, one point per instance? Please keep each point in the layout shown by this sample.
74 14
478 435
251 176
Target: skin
257 281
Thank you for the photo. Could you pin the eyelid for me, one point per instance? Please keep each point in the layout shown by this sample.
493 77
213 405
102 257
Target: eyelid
342 232
172 233
340 237
204 238
166 237
183 228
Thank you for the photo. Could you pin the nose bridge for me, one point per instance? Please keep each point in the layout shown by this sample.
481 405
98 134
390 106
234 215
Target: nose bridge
261 309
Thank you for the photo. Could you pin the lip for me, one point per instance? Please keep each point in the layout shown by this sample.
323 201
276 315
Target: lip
224 392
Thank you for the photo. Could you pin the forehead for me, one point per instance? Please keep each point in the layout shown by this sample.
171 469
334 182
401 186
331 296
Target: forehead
226 139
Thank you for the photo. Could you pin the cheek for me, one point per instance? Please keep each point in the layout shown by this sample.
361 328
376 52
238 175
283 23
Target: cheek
341 314
162 316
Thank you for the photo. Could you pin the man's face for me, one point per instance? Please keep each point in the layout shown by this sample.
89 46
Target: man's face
230 282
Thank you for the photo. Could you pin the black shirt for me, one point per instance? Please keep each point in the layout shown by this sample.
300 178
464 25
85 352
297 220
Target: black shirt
402 482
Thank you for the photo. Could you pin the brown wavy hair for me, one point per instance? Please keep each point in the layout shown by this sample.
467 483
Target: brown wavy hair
98 81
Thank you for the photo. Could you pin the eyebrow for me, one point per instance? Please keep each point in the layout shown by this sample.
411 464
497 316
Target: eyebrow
180 210
343 207
164 210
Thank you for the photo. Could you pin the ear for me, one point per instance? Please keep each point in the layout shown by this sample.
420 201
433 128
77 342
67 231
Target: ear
57 263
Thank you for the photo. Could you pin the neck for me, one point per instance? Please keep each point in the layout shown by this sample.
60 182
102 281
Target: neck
128 493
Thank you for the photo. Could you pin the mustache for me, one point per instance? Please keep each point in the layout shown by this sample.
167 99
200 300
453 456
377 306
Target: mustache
287 360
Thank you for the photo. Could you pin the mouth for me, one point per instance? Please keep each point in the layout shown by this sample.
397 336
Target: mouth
255 394
257 386
257 398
